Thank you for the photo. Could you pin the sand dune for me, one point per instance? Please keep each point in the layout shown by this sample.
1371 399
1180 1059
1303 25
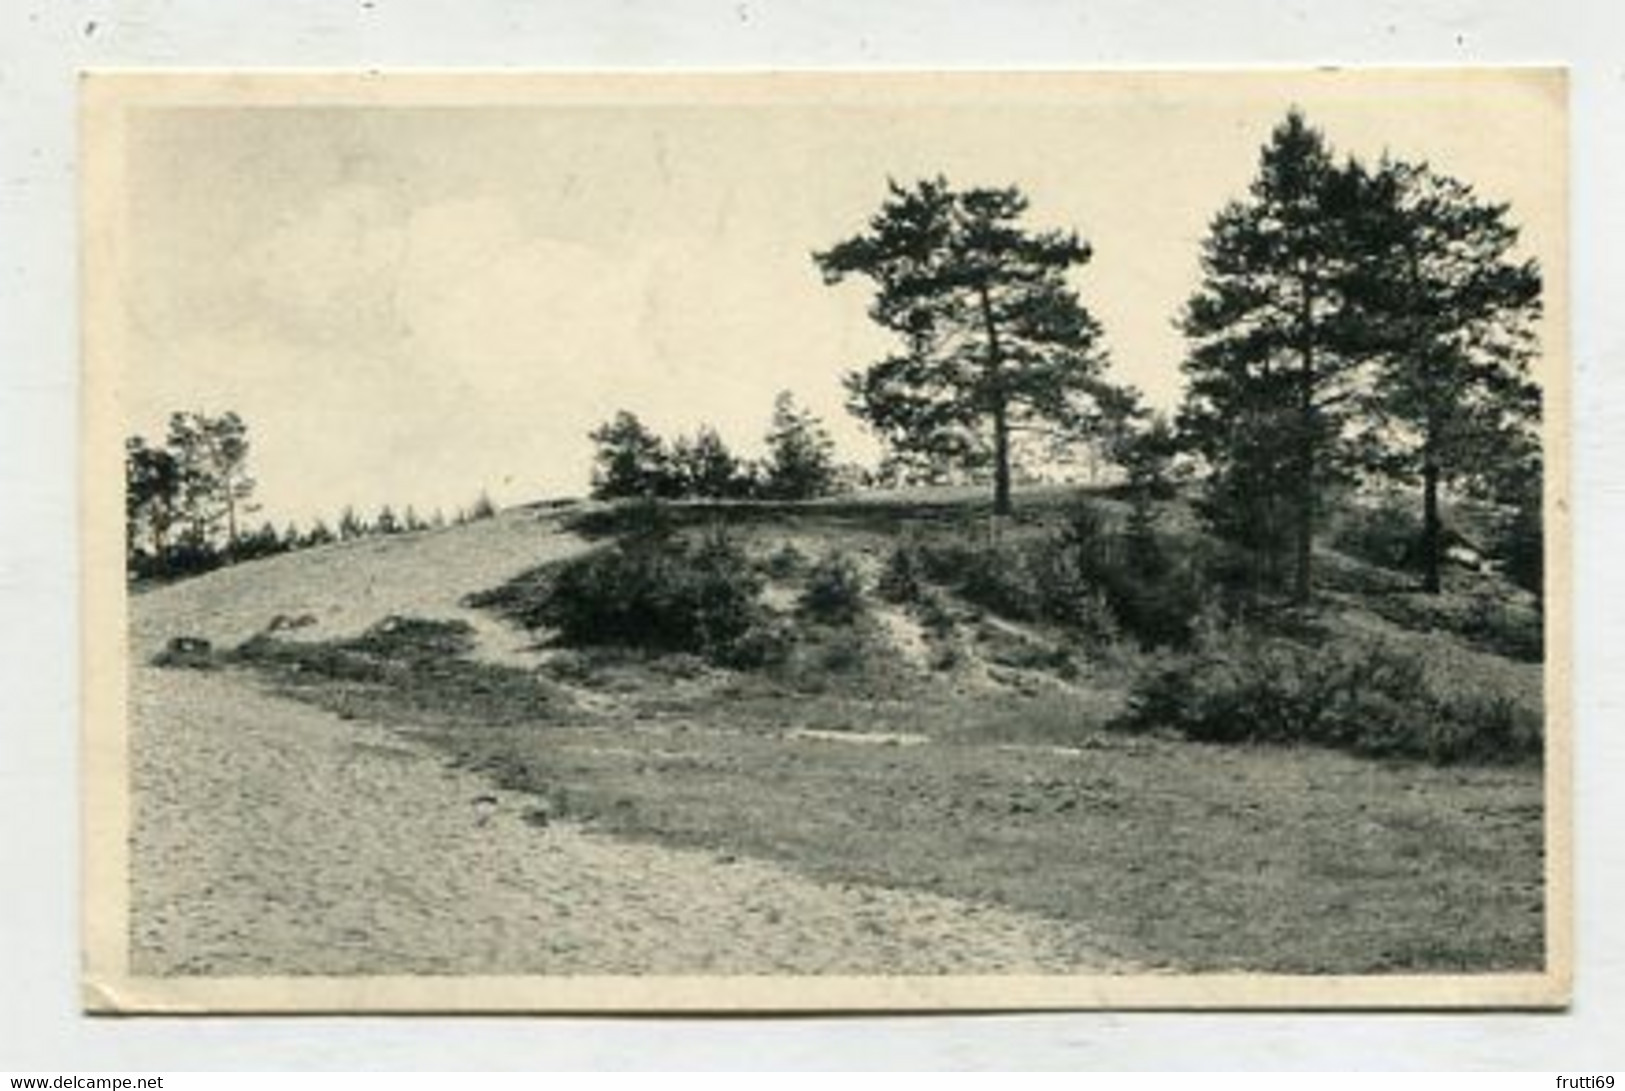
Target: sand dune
273 838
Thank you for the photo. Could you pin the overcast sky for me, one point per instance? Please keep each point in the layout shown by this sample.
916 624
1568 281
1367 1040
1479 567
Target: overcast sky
409 303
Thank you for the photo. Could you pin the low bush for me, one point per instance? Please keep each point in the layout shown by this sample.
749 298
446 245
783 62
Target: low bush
834 592
404 667
1518 542
1495 625
655 591
902 580
1385 534
410 639
1096 579
934 615
784 563
853 659
189 652
1361 697
992 577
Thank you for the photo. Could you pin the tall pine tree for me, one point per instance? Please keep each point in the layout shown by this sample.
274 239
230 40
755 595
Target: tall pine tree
1274 369
993 337
1449 310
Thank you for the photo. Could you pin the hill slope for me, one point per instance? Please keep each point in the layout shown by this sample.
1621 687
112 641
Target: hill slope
269 837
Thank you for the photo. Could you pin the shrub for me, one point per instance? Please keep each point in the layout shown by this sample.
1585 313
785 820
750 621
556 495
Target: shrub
768 642
851 659
834 591
785 563
1360 697
934 615
993 577
1385 534
654 591
902 579
411 639
1520 545
1492 623
404 667
190 652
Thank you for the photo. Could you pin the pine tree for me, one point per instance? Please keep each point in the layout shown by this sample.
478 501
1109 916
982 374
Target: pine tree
351 525
993 338
800 453
707 467
1274 368
630 460
212 456
318 534
152 499
1449 311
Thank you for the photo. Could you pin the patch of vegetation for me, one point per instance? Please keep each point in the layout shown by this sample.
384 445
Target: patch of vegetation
902 580
833 594
186 653
1361 697
785 563
1483 619
1385 534
1090 576
655 590
1185 856
404 668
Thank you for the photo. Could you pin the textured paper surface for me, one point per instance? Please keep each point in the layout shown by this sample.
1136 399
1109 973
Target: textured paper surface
1529 149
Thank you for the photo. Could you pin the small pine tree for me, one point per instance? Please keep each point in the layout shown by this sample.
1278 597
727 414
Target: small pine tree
705 467
631 461
800 453
319 534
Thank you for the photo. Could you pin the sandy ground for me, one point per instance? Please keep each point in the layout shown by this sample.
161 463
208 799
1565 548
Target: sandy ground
269 837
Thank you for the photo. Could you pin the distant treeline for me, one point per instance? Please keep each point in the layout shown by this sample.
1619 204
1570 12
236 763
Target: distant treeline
632 461
188 501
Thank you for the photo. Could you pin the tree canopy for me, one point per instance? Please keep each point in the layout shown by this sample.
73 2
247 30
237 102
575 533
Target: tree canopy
800 453
1448 311
1352 320
992 337
1272 370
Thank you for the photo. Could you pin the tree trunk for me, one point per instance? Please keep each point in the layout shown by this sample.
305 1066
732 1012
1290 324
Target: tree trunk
1001 461
1432 530
1304 500
1303 573
1001 408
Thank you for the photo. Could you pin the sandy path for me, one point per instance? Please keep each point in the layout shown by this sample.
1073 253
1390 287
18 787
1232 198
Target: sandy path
270 837
273 838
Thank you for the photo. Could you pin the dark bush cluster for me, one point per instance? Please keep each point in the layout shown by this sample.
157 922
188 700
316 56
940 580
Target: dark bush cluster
785 563
660 592
404 666
833 594
1364 698
1385 534
1092 577
901 580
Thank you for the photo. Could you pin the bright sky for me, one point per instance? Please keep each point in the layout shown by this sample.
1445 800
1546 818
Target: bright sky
409 303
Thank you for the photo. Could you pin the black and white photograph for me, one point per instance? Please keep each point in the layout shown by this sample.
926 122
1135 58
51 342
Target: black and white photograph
826 541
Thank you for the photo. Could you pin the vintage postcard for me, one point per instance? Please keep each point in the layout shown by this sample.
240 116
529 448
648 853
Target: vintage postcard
826 541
